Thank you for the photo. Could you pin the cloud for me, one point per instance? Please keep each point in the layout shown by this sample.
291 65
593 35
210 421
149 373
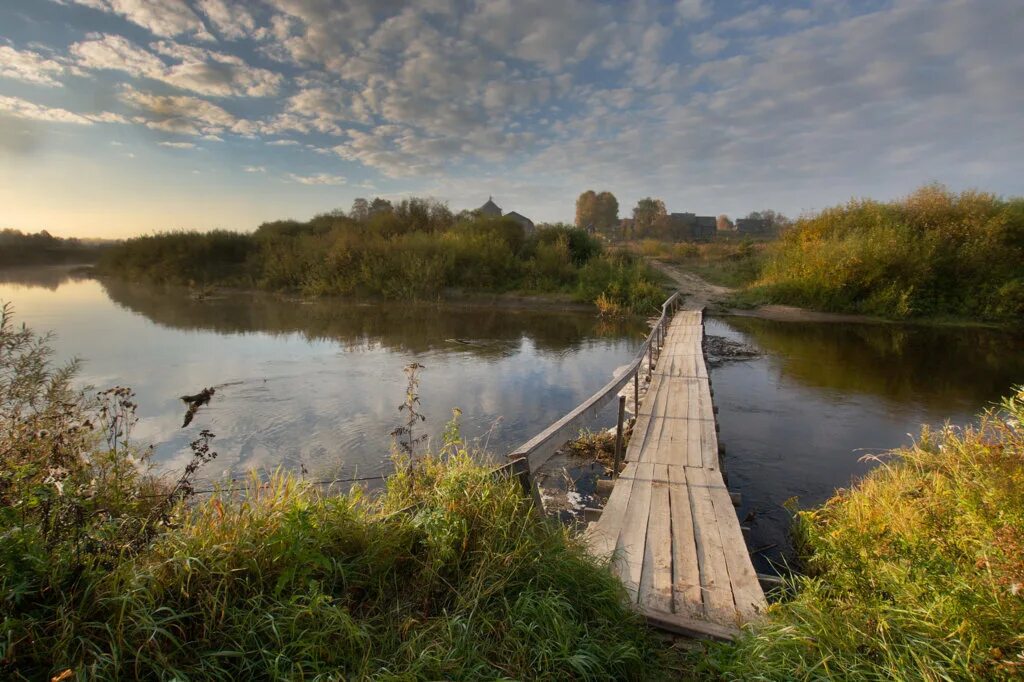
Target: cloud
692 9
254 169
283 143
318 179
707 44
21 108
30 67
178 145
231 19
185 115
198 70
166 18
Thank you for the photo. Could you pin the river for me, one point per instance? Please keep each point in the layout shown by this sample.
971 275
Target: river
315 386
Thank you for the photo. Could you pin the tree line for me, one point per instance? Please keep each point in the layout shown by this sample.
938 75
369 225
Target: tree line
598 213
42 248
410 249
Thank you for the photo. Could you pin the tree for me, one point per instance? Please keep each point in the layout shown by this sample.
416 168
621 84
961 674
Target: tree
606 218
360 209
600 211
378 205
773 220
586 206
649 216
723 224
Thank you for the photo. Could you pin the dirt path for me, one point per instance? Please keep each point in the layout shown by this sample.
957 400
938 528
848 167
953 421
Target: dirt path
701 293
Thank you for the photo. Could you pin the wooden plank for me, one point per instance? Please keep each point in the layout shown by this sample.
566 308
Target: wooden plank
656 576
630 547
686 594
603 536
708 437
746 590
694 452
690 627
714 572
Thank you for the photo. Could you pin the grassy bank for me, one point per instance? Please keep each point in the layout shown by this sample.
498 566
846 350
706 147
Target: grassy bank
917 573
934 253
413 250
730 260
112 574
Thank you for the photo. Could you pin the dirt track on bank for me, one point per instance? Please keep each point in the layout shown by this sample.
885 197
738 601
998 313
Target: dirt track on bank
701 293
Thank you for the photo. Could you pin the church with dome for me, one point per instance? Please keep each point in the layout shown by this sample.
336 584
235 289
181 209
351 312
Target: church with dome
492 210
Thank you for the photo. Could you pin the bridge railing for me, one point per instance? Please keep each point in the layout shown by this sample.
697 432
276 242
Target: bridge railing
529 457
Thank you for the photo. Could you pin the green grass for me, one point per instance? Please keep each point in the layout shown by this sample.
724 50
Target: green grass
287 583
917 573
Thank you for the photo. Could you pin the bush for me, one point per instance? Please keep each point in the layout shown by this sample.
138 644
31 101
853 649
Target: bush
934 253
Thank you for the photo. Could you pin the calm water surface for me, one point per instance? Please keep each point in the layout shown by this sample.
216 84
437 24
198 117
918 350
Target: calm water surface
798 421
316 385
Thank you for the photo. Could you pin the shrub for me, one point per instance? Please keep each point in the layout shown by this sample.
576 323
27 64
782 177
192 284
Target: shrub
933 253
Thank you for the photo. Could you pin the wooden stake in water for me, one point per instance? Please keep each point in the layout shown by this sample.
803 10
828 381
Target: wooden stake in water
618 436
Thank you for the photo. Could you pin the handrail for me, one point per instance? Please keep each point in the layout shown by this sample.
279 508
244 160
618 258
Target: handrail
541 447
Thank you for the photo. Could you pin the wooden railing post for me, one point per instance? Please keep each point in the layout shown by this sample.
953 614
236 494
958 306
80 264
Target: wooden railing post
618 436
636 393
521 470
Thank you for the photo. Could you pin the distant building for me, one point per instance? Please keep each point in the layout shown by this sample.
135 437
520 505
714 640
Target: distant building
692 226
752 225
527 224
707 227
492 210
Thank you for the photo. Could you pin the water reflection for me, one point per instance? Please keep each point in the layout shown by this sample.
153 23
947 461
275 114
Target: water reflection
944 368
316 385
798 421
417 328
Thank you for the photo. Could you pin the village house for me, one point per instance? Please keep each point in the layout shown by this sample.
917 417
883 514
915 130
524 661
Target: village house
751 225
492 210
693 226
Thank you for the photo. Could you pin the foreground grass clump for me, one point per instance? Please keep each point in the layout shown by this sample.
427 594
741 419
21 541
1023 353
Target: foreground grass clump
933 254
286 583
415 249
916 573
107 573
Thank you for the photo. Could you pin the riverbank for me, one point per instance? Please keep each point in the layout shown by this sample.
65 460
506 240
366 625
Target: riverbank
728 301
414 251
916 572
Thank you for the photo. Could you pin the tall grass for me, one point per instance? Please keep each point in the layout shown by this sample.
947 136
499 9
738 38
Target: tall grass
917 573
397 253
105 574
933 253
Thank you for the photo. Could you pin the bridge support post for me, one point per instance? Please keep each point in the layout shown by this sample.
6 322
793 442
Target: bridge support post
618 437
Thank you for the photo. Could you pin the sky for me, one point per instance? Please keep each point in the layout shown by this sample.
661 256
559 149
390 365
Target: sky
124 117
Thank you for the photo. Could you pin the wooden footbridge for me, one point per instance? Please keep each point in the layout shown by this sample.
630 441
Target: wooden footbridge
669 526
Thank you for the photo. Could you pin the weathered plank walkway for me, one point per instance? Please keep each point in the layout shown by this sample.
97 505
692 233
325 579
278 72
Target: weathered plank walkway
669 522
